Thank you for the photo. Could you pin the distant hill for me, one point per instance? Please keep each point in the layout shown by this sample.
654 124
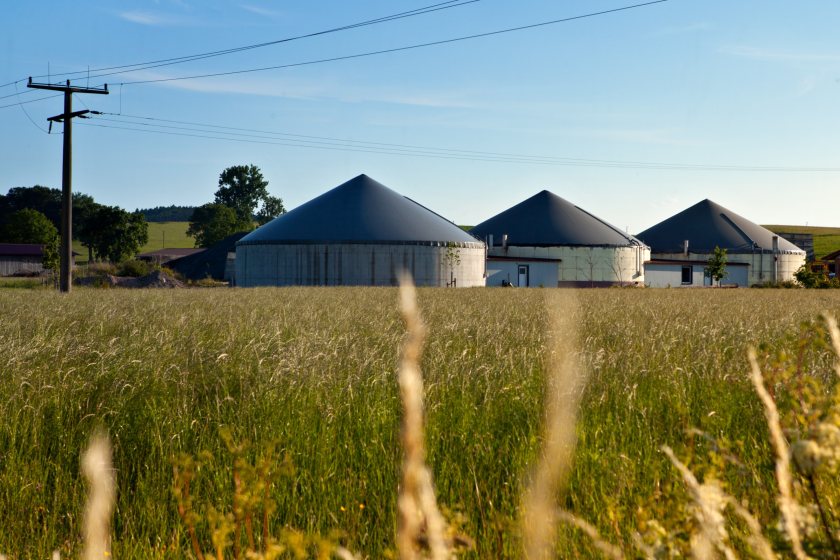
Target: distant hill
168 213
826 239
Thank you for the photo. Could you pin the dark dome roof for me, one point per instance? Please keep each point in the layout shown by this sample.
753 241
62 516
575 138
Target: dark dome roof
359 211
546 220
707 225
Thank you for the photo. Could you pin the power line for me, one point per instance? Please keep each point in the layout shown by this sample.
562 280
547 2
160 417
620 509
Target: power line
36 125
302 137
339 144
306 144
398 49
30 101
126 68
16 93
7 84
341 141
370 53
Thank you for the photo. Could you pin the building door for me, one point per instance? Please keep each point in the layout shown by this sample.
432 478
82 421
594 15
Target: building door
523 276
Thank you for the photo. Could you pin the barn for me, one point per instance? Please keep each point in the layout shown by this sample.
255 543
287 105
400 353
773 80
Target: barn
682 245
361 233
21 258
548 241
214 262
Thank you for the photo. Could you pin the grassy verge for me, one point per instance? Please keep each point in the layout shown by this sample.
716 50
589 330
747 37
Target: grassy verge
314 369
24 283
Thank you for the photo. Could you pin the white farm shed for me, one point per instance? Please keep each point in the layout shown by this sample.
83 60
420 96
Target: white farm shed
682 245
360 233
548 241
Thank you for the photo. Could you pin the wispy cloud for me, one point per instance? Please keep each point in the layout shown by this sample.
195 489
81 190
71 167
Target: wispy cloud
301 89
416 99
226 85
806 85
260 11
762 53
151 18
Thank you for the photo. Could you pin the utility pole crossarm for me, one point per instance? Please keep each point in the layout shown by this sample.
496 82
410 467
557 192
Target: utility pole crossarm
61 117
67 88
66 251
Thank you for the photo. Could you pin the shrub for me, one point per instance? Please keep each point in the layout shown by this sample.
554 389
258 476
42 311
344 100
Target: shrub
815 278
134 268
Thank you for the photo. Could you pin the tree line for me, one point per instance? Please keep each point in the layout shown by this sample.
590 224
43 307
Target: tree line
170 213
33 215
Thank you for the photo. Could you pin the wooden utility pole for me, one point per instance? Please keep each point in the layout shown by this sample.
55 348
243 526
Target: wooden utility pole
66 250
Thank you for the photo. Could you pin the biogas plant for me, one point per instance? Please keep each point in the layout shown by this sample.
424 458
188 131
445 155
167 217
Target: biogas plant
361 233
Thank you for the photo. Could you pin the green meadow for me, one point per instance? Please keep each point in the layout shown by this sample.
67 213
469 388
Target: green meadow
826 239
161 235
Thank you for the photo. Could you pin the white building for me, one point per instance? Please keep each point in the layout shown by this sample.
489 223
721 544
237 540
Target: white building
682 245
360 233
548 241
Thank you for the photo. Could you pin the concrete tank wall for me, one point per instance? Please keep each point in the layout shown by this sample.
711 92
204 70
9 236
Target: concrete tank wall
359 264
669 275
578 266
764 267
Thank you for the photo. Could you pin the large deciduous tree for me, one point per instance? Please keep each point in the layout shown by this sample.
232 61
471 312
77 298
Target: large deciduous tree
272 207
243 188
45 200
213 222
115 234
29 226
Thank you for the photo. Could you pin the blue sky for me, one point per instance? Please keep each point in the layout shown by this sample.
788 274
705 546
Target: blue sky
725 86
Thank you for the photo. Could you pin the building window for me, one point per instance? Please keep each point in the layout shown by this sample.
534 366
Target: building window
686 275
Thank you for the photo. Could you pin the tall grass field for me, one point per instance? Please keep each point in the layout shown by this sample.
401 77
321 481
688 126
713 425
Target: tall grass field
220 376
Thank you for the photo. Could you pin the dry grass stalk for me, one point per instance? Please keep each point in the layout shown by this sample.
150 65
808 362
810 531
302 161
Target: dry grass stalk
344 554
709 503
609 550
565 385
760 545
834 334
787 504
647 551
96 466
416 504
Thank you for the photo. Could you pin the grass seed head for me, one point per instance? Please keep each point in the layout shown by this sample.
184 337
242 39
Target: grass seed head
96 466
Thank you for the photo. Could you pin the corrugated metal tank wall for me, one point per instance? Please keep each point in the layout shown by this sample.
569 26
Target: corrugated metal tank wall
358 264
